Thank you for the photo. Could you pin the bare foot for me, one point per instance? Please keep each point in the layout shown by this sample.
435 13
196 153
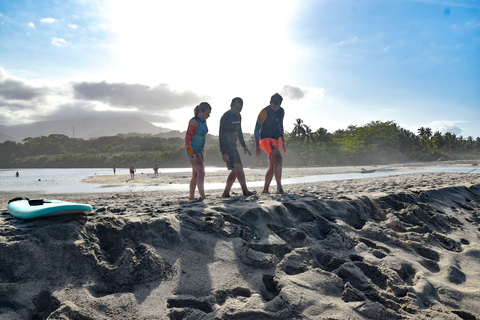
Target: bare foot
248 193
225 195
280 191
265 192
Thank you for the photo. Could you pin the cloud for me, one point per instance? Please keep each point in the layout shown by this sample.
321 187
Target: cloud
447 126
58 41
156 98
352 40
31 24
17 90
452 129
73 26
23 101
86 109
48 20
294 93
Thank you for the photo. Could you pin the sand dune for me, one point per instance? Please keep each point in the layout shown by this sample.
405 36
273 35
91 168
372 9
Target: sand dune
399 247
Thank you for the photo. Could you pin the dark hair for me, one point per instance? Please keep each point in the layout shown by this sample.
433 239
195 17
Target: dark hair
276 98
202 107
235 100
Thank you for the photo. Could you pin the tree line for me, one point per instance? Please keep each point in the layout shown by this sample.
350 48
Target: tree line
374 143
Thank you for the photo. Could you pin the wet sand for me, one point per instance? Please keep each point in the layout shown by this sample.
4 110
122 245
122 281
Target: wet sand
258 174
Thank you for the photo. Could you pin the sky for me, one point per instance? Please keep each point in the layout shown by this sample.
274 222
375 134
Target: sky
336 62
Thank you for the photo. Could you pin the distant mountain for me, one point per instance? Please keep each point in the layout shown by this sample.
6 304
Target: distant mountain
3 135
85 128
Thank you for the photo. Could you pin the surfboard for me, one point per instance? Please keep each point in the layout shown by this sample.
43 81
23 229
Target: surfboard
28 209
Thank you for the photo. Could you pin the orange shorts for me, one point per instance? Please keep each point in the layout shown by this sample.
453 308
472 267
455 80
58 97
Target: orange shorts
269 144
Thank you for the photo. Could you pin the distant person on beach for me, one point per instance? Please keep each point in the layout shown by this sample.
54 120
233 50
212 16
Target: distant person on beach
269 136
132 171
155 169
17 174
230 131
114 170
194 145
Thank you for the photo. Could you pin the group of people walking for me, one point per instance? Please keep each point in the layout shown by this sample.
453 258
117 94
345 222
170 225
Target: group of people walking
269 137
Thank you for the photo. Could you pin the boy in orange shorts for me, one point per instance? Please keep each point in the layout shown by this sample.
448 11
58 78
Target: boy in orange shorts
269 137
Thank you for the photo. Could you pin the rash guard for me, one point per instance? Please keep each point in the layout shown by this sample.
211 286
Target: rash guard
270 123
230 131
195 137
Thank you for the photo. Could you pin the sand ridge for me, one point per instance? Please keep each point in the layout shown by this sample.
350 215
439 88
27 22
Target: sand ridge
397 247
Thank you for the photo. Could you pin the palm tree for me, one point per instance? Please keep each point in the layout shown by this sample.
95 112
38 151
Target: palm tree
425 133
299 129
428 132
308 133
322 135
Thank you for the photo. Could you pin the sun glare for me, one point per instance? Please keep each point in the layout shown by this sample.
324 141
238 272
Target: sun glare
202 44
236 48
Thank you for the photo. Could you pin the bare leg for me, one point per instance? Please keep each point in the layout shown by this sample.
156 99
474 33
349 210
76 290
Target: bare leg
230 180
270 172
198 177
193 183
201 178
278 171
241 179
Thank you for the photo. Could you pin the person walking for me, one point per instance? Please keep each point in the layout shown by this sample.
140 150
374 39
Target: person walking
269 136
230 131
194 147
155 169
132 171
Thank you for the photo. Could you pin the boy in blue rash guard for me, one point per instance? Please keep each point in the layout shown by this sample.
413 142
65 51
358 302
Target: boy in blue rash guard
230 131
269 137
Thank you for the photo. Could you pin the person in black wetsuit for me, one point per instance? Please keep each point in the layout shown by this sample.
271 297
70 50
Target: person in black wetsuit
230 131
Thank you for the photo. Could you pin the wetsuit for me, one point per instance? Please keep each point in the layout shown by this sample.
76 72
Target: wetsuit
195 137
270 126
230 131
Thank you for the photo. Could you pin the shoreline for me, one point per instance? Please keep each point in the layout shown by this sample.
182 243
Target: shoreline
169 183
257 174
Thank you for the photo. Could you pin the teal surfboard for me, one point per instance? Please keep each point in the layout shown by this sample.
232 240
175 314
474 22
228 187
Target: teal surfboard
28 209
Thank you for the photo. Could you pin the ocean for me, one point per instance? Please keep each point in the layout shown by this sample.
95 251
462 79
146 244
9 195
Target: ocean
68 181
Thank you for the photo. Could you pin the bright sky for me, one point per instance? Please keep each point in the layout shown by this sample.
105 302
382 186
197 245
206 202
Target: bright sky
336 62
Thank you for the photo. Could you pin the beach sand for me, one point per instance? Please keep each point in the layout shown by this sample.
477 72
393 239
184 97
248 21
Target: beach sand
395 247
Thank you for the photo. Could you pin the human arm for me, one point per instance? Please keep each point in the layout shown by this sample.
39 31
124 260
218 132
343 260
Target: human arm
247 151
282 144
192 128
241 139
262 116
239 132
282 134
258 151
222 135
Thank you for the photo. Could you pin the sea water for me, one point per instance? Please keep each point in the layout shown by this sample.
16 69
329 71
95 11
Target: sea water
68 181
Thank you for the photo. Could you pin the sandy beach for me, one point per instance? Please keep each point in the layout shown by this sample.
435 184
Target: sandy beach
258 174
397 247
